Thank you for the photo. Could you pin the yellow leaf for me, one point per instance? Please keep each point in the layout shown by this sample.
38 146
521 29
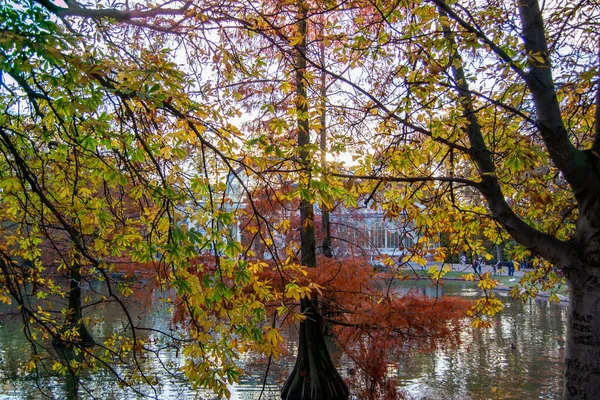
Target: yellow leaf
30 366
388 262
296 39
438 273
487 283
284 225
316 287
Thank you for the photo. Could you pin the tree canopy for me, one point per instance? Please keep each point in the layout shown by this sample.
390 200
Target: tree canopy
136 135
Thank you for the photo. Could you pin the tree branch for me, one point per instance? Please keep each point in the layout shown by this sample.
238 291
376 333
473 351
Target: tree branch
407 179
119 15
539 242
565 156
471 29
31 94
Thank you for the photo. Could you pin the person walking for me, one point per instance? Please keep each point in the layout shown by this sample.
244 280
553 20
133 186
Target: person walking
476 265
497 267
511 267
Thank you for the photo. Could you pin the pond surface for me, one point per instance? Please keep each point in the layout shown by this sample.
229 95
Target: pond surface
519 357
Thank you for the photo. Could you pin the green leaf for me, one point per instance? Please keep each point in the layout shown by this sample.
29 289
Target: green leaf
232 248
183 287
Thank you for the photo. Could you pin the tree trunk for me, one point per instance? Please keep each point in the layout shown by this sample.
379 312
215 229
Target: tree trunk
314 376
74 316
325 225
582 353
499 256
75 306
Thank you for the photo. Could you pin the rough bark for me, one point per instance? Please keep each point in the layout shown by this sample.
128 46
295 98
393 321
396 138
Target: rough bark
307 216
314 376
499 253
581 261
582 352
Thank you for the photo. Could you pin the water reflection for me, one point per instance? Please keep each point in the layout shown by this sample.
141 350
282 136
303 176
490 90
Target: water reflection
519 357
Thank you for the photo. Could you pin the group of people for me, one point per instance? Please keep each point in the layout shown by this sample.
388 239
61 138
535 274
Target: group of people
511 266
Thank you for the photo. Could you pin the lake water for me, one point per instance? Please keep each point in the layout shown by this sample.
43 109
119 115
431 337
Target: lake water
519 357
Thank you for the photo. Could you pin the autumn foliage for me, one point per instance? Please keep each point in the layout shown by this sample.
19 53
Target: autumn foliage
371 317
123 128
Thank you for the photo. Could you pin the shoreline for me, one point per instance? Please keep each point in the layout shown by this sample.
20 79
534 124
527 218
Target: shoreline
501 287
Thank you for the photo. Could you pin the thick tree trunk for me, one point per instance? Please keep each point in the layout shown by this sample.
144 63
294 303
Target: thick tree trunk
314 376
74 317
582 353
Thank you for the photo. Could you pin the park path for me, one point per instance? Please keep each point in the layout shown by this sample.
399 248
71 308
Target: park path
486 268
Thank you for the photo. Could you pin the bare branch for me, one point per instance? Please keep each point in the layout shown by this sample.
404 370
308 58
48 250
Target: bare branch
119 15
407 179
470 28
572 162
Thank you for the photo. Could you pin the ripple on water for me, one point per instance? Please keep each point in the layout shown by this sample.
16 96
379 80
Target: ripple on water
518 357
